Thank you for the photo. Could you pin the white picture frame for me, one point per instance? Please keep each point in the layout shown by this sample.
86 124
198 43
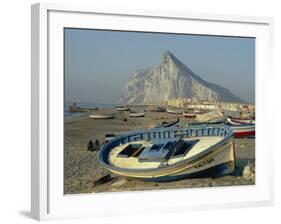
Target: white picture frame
48 200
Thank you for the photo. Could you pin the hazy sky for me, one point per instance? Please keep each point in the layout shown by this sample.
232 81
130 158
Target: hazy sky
99 63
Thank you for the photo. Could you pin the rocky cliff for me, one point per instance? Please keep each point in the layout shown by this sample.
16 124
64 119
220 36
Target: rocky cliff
171 80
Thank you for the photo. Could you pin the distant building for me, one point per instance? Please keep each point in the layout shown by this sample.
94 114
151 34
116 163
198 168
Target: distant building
194 103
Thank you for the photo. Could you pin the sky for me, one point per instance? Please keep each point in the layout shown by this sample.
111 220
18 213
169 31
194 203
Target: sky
98 63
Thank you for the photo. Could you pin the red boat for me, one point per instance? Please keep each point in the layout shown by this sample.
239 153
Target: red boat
243 130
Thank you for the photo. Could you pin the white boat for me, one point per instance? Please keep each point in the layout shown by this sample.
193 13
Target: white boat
240 121
169 154
192 113
175 111
102 116
137 114
122 108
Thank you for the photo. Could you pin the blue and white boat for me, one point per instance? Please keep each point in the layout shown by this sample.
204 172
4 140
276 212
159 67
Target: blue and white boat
167 154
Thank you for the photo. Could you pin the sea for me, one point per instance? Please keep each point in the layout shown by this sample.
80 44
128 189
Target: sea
68 114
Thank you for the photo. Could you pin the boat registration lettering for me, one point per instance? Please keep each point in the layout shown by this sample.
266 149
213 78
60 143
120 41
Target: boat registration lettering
204 162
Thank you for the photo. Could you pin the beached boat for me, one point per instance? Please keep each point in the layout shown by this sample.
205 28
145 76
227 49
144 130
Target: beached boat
167 154
137 114
122 108
190 115
102 116
168 124
243 130
175 111
238 121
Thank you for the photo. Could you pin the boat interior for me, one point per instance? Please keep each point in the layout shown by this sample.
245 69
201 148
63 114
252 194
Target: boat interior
151 154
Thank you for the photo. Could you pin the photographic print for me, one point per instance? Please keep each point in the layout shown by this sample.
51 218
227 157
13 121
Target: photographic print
151 111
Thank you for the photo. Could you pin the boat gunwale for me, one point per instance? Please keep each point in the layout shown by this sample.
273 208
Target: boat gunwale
229 135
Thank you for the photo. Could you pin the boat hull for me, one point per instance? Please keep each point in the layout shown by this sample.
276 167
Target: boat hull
217 159
214 172
122 108
137 115
101 116
240 121
189 115
175 111
242 131
244 134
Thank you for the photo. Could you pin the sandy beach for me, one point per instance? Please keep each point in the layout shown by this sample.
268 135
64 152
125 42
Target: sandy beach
84 174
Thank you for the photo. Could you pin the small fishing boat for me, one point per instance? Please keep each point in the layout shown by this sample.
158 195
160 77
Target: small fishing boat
168 124
102 116
137 114
190 115
175 111
122 108
243 130
168 154
238 121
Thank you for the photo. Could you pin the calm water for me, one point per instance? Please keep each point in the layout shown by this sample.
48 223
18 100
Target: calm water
84 105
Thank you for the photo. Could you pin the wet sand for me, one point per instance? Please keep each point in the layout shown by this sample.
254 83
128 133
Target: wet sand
83 172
